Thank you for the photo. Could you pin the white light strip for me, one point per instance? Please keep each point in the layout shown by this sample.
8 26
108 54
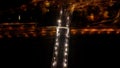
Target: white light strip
19 17
61 12
64 65
65 54
65 60
59 21
54 63
66 49
68 18
57 42
66 45
56 39
56 53
56 48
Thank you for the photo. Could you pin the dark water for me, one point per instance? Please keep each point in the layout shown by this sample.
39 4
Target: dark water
87 50
27 51
84 50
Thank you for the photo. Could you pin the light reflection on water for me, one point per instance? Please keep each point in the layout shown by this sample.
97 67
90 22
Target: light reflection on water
34 31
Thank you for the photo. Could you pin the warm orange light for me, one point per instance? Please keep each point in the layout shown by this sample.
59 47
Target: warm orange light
73 31
34 35
0 29
26 35
43 34
117 32
43 31
105 14
110 29
85 29
1 36
23 7
108 32
10 28
82 32
103 30
54 31
93 30
5 23
91 17
9 36
31 32
33 27
99 32
21 27
47 3
35 1
72 7
51 33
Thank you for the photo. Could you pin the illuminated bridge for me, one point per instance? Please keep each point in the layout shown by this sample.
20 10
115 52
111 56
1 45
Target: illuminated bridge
25 30
32 30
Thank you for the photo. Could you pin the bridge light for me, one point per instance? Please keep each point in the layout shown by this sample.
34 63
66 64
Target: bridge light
54 63
59 21
64 65
61 12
